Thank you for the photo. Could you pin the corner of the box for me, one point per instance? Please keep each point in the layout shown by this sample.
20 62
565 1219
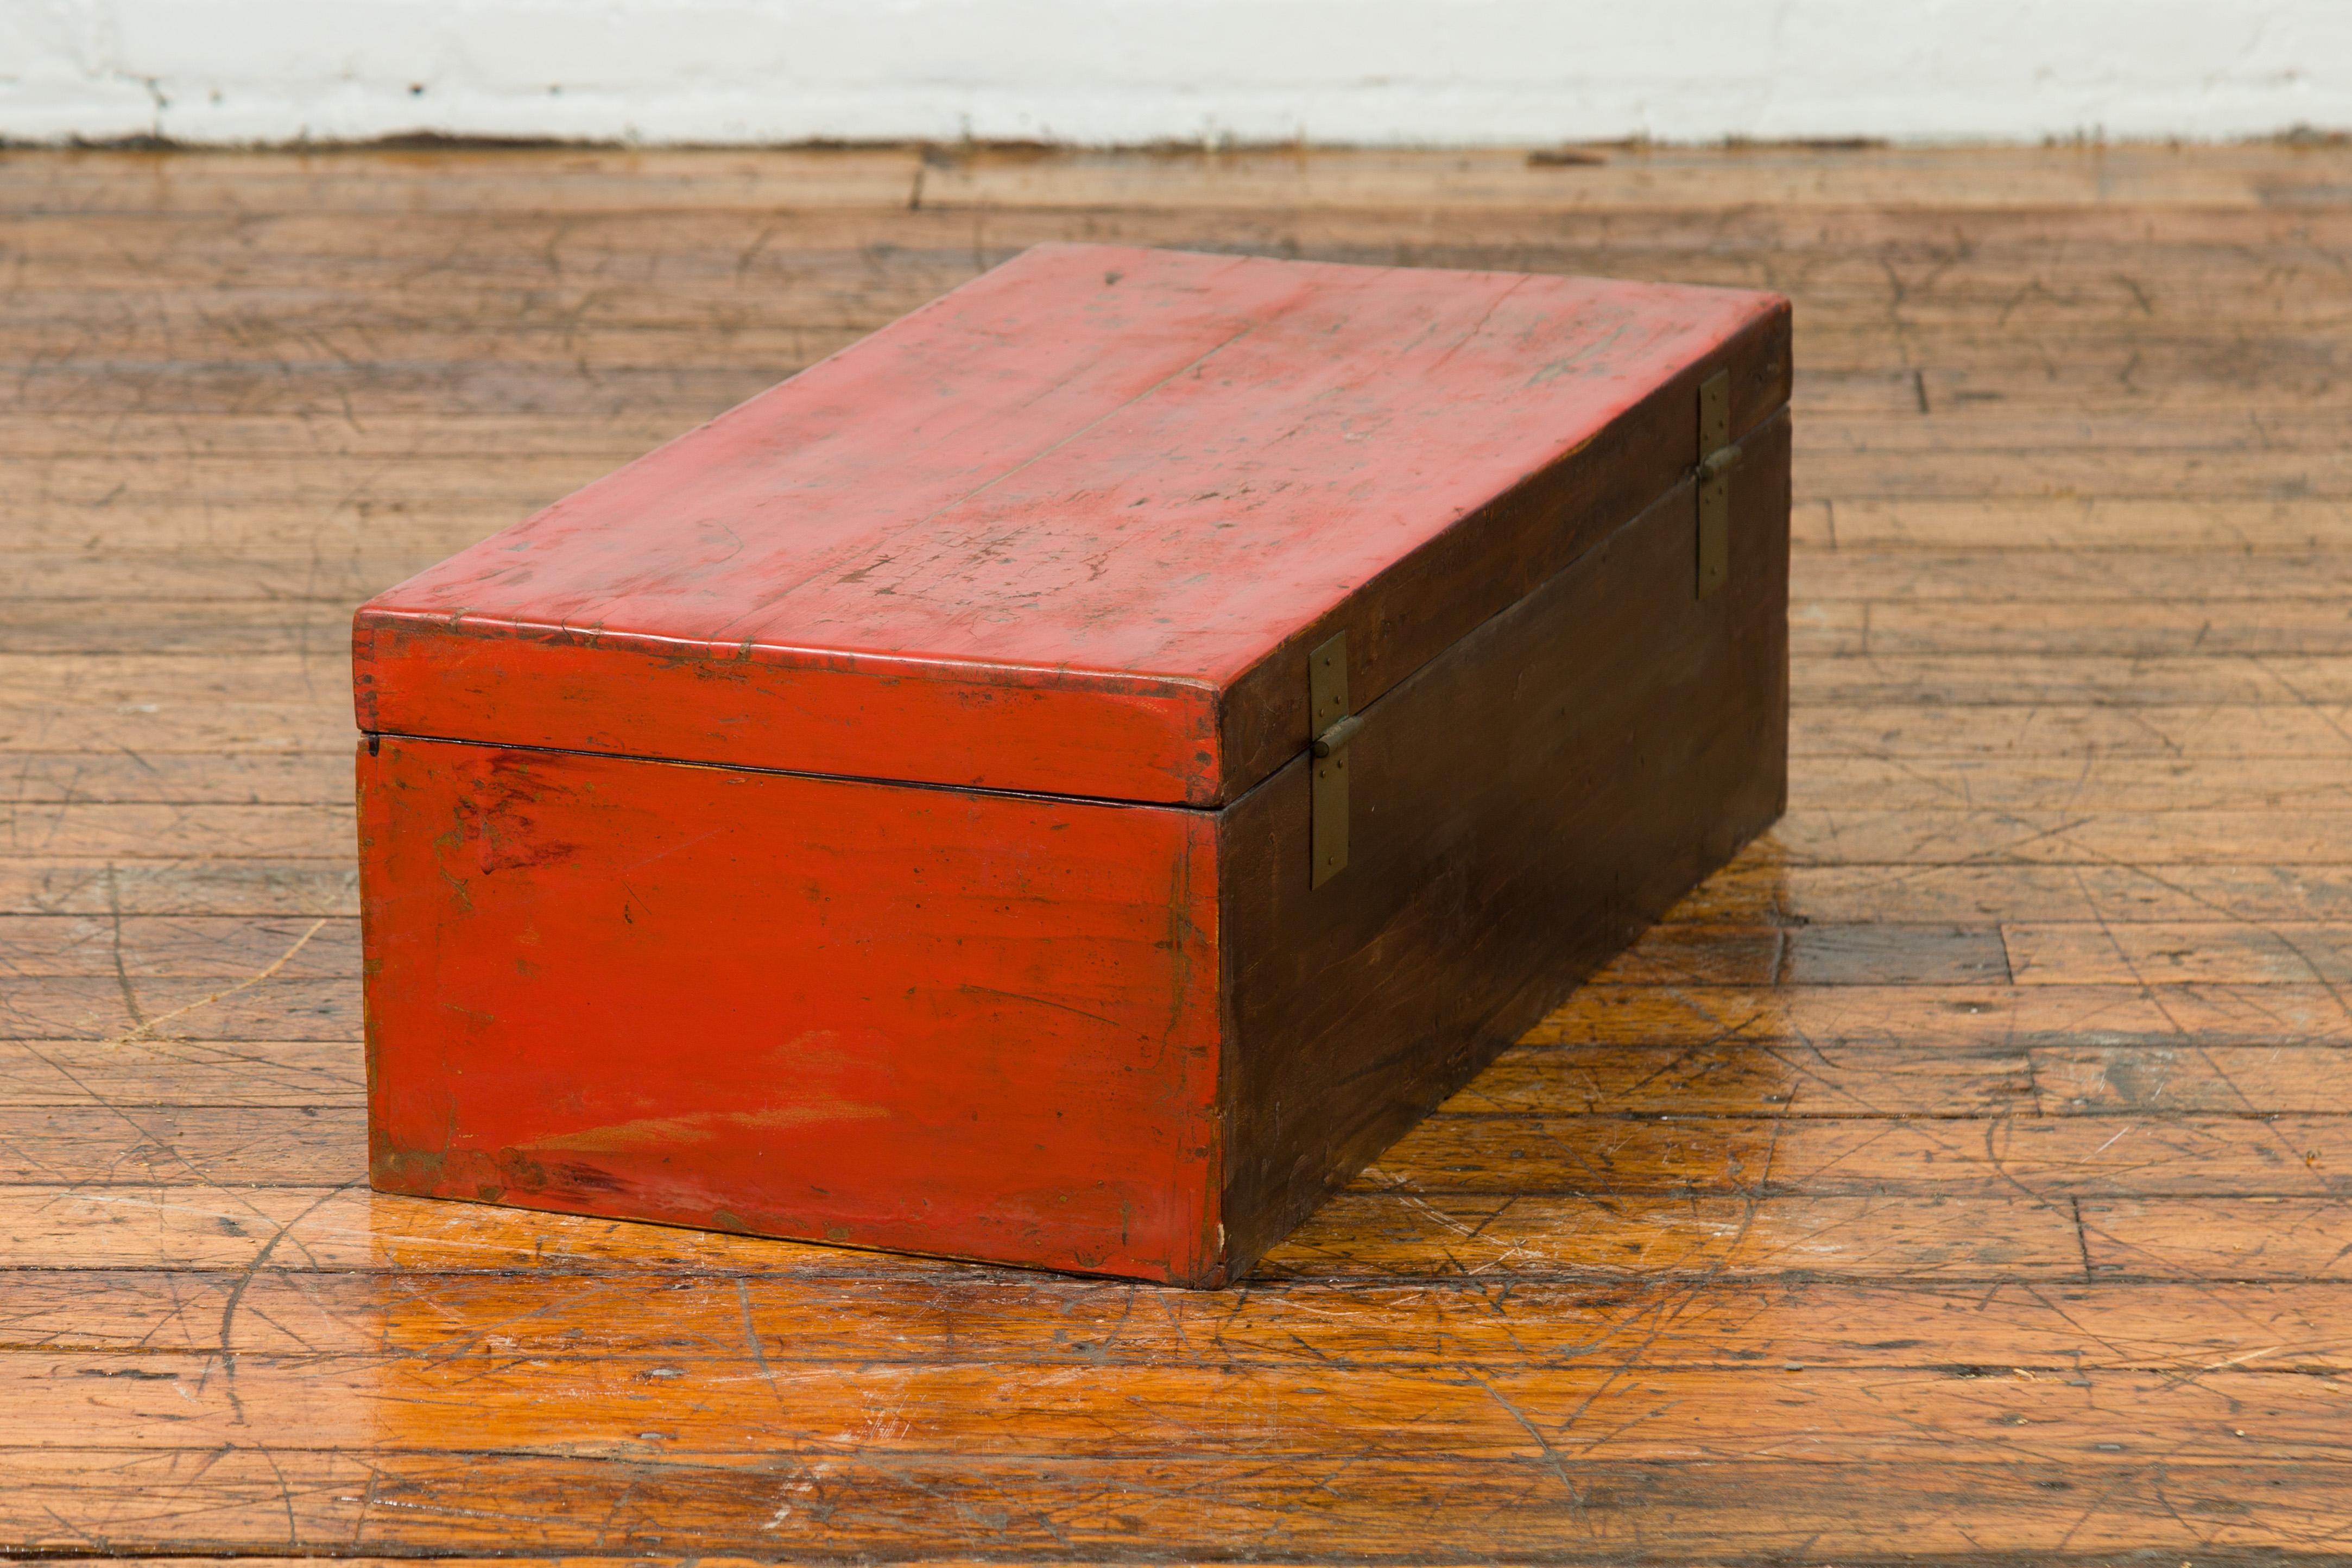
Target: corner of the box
366 621
1206 744
388 1172
363 671
1208 1270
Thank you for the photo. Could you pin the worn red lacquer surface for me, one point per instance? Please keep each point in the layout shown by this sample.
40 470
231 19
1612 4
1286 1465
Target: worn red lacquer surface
925 1020
1032 536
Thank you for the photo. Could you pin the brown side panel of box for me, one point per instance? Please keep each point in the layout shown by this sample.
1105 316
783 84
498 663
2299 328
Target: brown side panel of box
1520 810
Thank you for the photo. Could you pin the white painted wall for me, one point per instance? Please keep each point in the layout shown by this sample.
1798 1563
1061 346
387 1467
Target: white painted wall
1115 71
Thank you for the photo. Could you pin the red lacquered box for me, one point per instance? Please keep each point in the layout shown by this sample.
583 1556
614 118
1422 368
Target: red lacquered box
1070 779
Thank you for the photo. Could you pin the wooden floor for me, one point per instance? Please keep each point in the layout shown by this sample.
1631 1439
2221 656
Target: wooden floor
1962 1174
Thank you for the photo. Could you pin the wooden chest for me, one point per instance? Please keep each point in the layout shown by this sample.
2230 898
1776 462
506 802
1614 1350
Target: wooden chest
1070 779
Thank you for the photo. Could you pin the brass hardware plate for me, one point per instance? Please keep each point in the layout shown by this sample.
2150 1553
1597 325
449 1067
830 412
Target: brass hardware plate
1716 456
1330 817
1327 685
1327 701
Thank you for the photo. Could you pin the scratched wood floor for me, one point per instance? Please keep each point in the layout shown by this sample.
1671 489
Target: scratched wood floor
1962 1174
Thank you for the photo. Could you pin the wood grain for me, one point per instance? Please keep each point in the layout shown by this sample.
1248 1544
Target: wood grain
1869 1150
1959 1173
1476 897
424 1314
737 1508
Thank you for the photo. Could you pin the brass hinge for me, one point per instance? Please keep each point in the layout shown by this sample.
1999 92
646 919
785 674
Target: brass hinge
1717 457
1333 726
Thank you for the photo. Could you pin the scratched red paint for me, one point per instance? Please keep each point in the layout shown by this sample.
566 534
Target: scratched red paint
1035 537
926 1019
1027 537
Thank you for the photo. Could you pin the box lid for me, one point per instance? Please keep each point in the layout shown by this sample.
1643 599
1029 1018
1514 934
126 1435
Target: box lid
1075 527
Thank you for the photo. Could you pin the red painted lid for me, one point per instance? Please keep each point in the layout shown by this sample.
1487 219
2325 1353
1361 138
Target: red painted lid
1074 527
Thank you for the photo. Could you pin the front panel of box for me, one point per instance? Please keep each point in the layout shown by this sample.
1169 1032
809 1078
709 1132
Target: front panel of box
924 1020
